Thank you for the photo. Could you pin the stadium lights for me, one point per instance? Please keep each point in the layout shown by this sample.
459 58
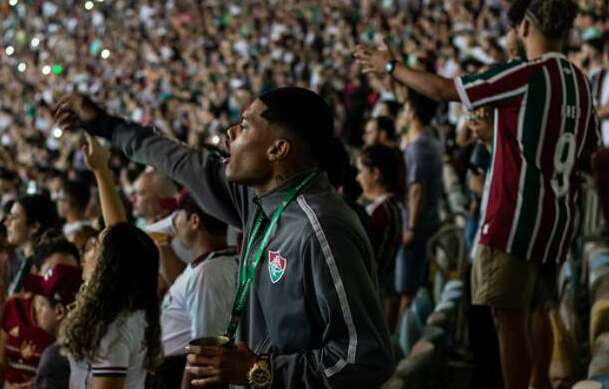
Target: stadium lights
46 70
21 67
105 53
13 3
57 69
89 5
10 50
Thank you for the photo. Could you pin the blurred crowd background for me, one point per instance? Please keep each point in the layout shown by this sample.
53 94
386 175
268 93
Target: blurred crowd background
190 67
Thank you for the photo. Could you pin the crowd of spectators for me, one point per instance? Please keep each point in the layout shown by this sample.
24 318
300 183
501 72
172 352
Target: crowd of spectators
189 68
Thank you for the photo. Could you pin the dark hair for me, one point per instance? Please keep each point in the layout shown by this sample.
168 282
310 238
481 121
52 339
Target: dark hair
303 113
214 226
39 208
341 172
78 194
596 43
389 163
387 124
554 18
56 245
516 11
8 175
423 107
124 281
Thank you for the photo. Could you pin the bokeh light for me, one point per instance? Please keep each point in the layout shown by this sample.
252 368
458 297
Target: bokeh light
57 69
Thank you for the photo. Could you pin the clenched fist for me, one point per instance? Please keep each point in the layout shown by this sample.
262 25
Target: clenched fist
78 111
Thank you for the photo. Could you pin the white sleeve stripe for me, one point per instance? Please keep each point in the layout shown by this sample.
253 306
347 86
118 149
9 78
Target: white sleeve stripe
503 96
340 289
507 72
462 93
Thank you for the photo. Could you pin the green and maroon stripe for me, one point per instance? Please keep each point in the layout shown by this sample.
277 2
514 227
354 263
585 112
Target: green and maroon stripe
545 163
531 131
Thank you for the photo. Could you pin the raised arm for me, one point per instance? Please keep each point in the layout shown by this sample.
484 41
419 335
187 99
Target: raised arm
429 84
197 169
96 158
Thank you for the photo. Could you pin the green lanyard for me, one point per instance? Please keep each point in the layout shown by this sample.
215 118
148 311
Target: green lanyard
247 270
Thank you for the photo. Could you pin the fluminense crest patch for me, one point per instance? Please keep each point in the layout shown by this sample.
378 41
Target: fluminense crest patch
277 265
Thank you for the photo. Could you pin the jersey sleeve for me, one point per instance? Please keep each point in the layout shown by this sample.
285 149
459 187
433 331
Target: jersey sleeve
113 353
492 87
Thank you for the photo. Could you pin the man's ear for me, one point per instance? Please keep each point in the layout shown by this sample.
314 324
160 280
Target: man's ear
279 150
195 220
60 311
376 173
524 28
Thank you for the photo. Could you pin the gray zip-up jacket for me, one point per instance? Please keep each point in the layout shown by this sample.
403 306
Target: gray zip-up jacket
314 304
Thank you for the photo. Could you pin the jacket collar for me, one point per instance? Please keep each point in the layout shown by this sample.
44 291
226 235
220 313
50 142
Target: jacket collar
270 200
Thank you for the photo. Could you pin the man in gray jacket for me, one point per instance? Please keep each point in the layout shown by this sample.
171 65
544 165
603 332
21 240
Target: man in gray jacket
312 317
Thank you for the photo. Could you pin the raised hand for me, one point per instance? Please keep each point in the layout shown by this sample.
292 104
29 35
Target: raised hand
96 156
372 60
75 110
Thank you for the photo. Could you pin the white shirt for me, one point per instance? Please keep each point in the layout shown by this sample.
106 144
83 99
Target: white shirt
70 229
602 101
375 204
199 302
122 353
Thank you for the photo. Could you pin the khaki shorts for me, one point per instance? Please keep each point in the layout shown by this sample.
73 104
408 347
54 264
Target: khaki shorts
501 280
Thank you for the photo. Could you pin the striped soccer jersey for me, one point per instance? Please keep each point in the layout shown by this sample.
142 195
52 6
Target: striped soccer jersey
545 124
386 222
